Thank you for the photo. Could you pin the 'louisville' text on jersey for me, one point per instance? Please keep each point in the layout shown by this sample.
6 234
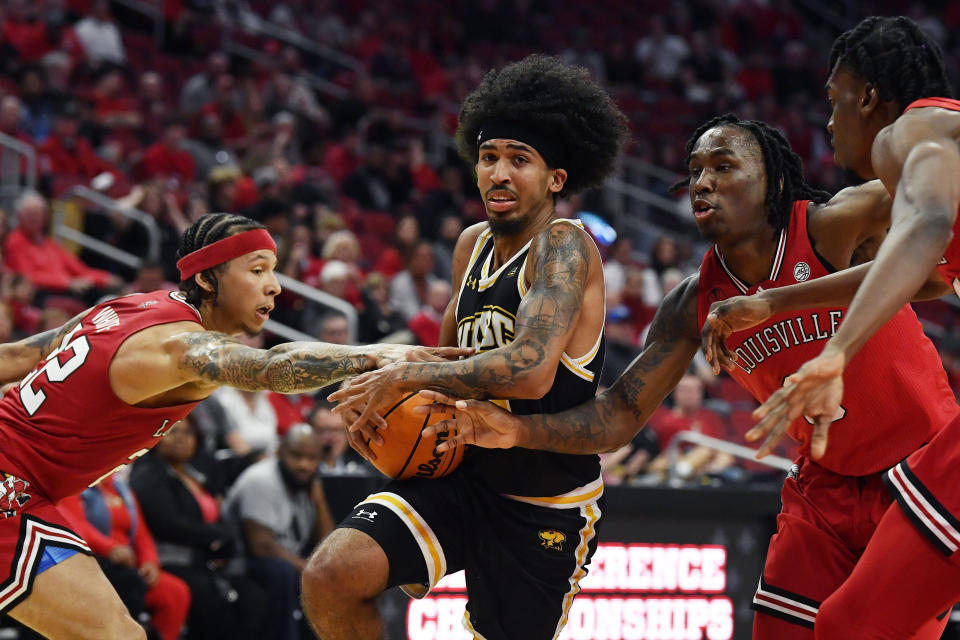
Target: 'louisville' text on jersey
785 334
489 328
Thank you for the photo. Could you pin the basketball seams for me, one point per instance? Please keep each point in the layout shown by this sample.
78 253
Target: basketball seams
405 451
416 443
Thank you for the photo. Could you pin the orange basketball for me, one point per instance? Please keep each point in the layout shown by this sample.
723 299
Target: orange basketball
405 452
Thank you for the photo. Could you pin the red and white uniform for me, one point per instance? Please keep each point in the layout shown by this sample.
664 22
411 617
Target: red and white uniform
831 506
927 484
64 429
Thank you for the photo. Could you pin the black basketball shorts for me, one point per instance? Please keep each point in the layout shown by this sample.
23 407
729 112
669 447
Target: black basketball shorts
523 557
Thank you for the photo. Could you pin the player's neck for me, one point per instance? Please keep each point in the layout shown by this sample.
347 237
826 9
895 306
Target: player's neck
505 246
750 258
213 319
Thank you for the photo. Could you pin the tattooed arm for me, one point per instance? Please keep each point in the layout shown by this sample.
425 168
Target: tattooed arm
17 359
294 367
546 319
611 419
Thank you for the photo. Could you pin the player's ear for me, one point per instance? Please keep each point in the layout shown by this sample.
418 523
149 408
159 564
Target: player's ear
203 282
870 98
557 180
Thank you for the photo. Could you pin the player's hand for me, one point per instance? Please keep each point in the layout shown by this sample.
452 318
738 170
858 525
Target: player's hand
815 391
726 317
123 556
386 354
150 573
437 354
365 396
360 437
477 422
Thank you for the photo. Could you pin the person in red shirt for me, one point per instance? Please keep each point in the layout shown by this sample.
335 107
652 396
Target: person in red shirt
29 251
689 414
24 31
66 154
426 323
109 519
165 158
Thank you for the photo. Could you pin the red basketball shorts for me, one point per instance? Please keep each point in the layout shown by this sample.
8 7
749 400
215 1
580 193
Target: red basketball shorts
822 530
927 487
28 524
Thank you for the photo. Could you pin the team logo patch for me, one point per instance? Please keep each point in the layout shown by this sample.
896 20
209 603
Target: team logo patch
552 539
13 495
801 272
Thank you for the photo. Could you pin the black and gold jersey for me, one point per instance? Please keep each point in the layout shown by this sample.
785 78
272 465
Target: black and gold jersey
486 316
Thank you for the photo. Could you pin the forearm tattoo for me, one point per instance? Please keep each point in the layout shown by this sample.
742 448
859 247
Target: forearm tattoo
611 419
293 367
547 313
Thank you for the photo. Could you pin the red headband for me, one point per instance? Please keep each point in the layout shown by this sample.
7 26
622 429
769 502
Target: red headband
224 250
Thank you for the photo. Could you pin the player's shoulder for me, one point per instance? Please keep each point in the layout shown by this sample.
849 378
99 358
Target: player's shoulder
565 235
918 125
862 198
471 233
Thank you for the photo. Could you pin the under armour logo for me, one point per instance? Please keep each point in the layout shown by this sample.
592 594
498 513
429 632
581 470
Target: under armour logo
365 515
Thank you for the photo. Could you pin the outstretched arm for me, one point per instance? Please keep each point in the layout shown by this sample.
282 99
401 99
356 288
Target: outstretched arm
845 230
611 419
294 367
524 368
17 359
835 290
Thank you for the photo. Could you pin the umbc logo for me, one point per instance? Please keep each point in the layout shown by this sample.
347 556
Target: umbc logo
552 539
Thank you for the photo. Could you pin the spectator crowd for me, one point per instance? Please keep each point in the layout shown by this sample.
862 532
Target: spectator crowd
346 158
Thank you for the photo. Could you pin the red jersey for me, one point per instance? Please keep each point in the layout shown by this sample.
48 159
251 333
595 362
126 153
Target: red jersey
896 392
949 266
64 429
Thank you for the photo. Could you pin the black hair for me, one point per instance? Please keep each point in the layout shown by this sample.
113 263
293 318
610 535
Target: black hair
783 168
558 100
208 229
895 55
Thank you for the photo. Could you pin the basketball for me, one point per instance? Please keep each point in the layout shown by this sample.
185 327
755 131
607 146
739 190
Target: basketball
405 452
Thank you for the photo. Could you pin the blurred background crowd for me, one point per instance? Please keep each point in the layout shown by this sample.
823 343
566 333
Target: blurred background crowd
331 122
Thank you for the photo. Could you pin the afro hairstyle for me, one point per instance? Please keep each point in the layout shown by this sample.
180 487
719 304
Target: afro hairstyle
550 96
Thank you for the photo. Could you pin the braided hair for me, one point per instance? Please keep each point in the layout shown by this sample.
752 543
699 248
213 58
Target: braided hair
558 100
783 168
209 229
896 55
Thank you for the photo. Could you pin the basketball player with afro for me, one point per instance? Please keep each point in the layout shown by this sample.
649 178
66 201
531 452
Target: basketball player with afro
531 302
771 230
100 391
